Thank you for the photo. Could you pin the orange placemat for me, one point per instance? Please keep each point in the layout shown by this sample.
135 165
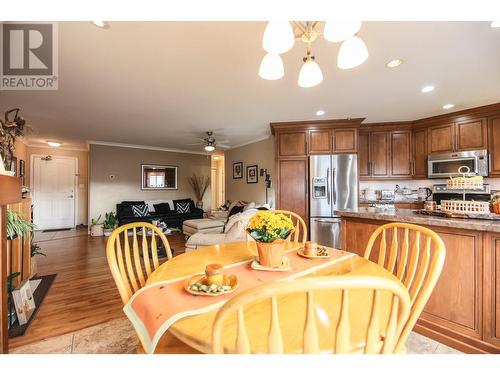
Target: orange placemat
154 308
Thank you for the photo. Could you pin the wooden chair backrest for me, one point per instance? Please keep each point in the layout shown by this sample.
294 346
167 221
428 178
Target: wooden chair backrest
300 233
377 339
132 265
416 256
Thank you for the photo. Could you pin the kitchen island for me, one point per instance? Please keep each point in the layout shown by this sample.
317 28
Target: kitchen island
464 309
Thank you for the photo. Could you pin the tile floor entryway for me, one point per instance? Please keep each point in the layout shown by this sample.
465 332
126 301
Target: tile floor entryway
118 337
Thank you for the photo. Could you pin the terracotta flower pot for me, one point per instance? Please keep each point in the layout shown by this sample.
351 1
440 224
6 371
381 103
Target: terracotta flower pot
271 253
496 208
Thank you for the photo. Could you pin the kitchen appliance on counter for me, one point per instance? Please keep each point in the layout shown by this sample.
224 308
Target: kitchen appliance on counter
333 186
386 195
447 165
441 192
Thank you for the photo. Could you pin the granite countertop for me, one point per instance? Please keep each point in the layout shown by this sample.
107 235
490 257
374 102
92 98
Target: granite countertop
410 216
391 201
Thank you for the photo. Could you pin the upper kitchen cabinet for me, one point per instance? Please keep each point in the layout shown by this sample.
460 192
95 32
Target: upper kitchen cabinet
320 142
364 154
494 145
420 153
401 154
471 135
292 144
345 140
379 154
442 138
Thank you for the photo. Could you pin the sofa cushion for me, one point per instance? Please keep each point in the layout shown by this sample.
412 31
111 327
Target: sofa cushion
183 206
140 210
133 203
162 208
242 217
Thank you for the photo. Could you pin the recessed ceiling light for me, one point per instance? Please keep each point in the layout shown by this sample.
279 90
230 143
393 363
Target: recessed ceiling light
320 112
53 144
495 24
216 158
101 24
448 106
427 88
394 63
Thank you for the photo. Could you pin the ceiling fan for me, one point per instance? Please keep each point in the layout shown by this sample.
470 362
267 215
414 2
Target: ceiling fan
210 143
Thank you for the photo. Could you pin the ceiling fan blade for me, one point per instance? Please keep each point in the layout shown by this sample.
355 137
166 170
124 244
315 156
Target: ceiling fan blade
222 146
195 144
223 141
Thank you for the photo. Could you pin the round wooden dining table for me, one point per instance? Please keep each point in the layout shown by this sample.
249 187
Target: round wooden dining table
195 331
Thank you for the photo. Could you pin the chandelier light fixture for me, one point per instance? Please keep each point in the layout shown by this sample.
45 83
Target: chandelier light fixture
279 37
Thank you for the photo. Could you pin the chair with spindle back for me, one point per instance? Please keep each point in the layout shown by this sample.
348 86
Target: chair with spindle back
379 325
418 269
300 233
132 264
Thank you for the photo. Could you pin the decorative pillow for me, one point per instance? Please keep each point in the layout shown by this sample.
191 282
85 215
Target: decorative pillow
249 205
235 210
140 210
162 208
186 206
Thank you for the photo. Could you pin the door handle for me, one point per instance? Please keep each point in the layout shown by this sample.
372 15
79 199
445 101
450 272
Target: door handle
328 185
333 184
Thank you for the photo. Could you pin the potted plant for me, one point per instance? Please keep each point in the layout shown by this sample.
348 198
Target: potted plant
96 228
200 185
109 223
35 250
270 231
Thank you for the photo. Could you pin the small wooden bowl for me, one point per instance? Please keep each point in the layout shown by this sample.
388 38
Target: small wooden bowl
301 252
229 280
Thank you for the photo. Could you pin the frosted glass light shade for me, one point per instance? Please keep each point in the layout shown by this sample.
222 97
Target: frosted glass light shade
271 67
352 52
310 74
340 30
278 37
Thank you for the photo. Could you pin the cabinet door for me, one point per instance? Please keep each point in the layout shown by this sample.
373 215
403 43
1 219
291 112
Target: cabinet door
471 135
364 154
400 153
442 138
320 142
345 140
293 183
458 312
492 289
379 154
292 144
420 153
494 145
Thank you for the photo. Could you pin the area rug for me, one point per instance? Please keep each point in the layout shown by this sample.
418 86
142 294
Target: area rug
40 286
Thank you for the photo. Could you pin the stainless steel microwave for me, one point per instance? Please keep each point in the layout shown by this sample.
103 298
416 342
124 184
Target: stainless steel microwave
446 165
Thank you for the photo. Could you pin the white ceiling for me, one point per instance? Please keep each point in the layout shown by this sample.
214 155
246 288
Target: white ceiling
163 83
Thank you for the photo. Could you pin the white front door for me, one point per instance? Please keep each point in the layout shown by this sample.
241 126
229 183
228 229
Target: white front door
53 190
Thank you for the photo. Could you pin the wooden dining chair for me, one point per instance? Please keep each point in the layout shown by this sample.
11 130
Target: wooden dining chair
416 256
300 232
132 263
378 316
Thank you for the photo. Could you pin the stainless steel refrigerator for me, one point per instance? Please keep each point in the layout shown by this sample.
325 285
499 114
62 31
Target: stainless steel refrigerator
333 186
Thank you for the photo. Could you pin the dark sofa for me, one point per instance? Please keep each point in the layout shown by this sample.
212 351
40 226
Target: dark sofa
167 214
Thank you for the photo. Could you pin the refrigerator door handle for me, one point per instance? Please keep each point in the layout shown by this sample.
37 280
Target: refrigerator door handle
333 184
328 185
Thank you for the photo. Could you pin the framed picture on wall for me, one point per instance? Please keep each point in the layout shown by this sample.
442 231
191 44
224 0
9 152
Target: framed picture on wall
238 170
252 174
22 171
13 165
158 177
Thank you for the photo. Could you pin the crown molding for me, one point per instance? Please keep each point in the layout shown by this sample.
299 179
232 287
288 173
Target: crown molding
250 142
143 147
64 148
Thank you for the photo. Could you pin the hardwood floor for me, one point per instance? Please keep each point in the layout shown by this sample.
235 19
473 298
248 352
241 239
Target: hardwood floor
83 293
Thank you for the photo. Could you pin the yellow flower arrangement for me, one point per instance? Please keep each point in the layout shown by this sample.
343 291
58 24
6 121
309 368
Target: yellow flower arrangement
266 226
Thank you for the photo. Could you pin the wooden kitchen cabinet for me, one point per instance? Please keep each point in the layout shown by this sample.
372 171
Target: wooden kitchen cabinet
442 138
494 145
292 144
420 153
400 153
379 154
364 154
345 140
320 142
492 289
471 135
293 186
